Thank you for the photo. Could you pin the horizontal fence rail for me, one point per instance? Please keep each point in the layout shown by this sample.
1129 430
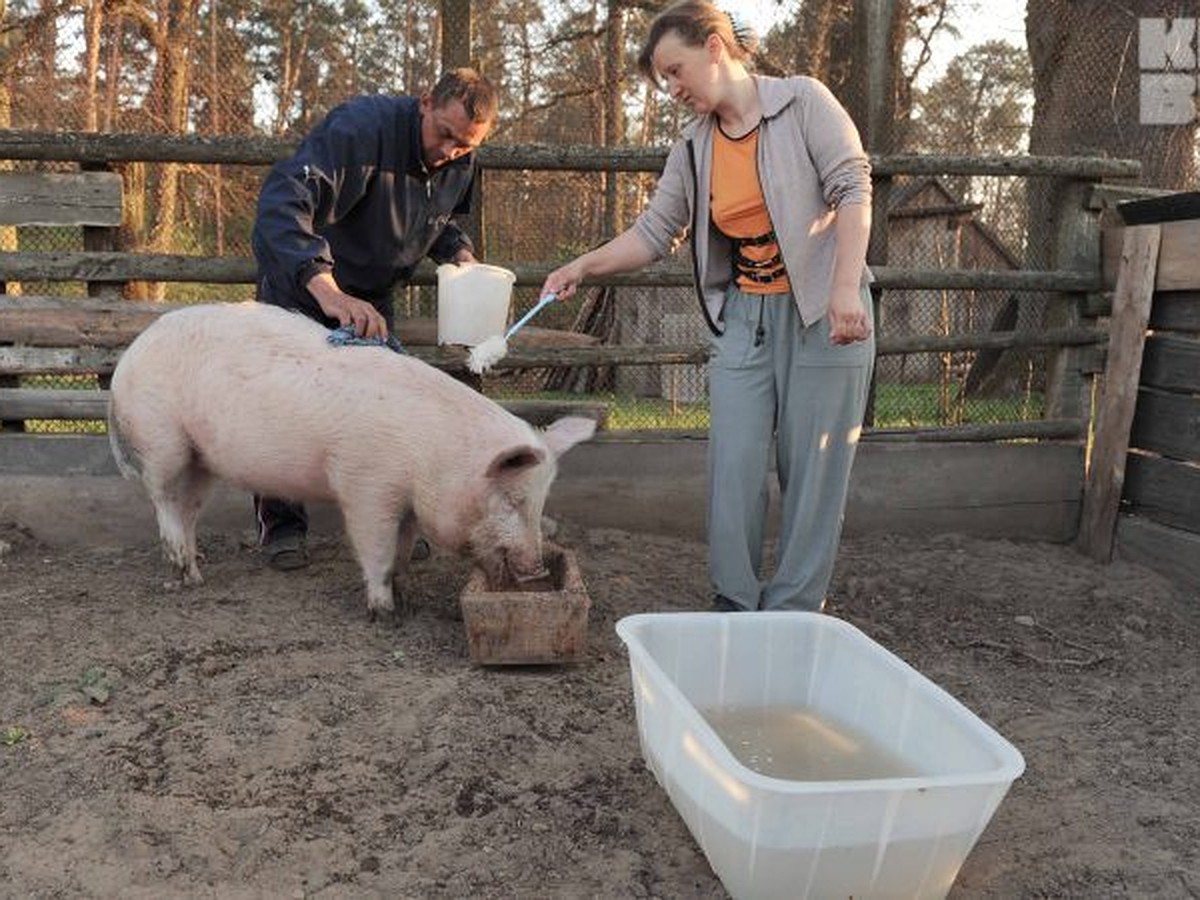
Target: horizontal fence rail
92 405
112 266
102 361
93 148
85 336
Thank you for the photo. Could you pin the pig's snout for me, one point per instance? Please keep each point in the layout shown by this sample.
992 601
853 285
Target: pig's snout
523 564
511 566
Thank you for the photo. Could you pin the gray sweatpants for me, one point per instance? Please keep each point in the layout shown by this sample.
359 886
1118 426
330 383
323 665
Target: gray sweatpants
785 384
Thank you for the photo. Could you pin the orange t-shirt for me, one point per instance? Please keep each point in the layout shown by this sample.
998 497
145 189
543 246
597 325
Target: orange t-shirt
740 212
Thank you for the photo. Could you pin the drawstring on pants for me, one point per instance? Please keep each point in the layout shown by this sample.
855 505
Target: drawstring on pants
760 332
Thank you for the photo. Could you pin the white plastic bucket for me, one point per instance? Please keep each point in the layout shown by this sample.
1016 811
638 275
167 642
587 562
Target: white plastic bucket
473 302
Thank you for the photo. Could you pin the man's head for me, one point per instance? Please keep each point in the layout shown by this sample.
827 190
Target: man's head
456 116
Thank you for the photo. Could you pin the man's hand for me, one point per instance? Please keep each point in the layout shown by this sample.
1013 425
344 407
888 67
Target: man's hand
464 256
366 320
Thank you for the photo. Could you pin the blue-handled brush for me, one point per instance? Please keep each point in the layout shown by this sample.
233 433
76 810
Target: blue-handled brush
488 352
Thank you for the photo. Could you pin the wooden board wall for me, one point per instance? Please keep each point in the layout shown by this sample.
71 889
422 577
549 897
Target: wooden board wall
1160 521
60 198
1180 248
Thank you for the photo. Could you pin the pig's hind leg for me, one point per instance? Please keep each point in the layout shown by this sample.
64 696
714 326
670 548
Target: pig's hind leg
375 538
179 489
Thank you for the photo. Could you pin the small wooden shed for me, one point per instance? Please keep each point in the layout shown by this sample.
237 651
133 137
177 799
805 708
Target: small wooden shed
930 226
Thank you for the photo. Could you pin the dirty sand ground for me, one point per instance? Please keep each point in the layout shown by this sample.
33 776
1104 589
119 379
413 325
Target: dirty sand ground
258 738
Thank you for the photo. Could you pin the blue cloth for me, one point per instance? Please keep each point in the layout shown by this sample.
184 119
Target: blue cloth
346 337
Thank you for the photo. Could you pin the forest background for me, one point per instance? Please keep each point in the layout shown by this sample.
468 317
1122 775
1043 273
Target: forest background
969 78
964 77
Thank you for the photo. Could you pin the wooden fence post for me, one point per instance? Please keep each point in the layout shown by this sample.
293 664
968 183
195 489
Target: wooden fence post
1114 418
1076 249
102 237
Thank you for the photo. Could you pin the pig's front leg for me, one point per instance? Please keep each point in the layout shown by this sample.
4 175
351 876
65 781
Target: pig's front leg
374 536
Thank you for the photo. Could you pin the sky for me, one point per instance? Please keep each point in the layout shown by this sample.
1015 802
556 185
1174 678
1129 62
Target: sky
977 21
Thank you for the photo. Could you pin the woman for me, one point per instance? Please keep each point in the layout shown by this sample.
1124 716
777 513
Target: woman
773 184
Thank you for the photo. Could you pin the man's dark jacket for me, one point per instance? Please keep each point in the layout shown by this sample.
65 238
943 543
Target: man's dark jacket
357 200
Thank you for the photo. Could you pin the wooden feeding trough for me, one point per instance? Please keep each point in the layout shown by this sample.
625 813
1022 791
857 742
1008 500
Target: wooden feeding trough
532 623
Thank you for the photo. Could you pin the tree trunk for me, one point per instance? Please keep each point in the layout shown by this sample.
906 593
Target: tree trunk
94 26
1086 84
9 41
613 111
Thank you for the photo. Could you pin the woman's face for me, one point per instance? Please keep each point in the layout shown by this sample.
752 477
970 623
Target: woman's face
690 73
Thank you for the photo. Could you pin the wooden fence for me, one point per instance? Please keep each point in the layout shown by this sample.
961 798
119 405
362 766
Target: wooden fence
50 336
1142 495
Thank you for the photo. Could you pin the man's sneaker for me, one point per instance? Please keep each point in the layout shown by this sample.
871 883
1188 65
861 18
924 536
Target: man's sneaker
286 553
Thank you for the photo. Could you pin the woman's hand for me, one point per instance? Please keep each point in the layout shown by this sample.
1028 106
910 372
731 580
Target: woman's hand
564 280
848 321
624 253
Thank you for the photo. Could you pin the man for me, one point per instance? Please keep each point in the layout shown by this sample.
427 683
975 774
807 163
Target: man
371 190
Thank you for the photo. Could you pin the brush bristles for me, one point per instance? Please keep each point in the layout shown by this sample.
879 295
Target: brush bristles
486 354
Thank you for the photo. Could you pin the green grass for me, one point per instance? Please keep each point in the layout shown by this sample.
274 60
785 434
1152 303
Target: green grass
922 405
896 406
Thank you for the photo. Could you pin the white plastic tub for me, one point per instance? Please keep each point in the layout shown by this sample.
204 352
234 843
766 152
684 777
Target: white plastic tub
770 837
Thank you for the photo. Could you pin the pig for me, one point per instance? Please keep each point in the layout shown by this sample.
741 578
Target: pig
256 396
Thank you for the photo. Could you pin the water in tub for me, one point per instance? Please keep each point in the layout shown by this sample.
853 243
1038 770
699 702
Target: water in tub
801 745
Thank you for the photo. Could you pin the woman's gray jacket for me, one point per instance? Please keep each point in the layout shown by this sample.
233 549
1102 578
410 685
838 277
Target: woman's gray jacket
810 162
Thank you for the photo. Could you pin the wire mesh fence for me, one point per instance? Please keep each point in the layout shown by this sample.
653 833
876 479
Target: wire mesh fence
255 69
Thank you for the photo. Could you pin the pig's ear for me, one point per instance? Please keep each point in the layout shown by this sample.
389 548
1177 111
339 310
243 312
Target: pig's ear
515 460
565 433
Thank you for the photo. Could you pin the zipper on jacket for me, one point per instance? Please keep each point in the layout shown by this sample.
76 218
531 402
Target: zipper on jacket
712 326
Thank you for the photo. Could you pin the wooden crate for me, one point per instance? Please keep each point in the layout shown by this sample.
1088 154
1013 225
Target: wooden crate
535 623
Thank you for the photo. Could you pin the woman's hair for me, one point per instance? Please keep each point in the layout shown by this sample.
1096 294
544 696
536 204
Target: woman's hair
694 21
477 94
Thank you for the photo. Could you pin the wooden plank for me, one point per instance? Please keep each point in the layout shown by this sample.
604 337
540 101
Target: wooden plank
1105 196
1131 313
1174 206
1172 552
83 146
1177 269
35 403
37 321
113 266
1172 310
58 360
60 198
1168 424
55 322
96 324
1042 429
1163 490
1176 311
1171 363
65 404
